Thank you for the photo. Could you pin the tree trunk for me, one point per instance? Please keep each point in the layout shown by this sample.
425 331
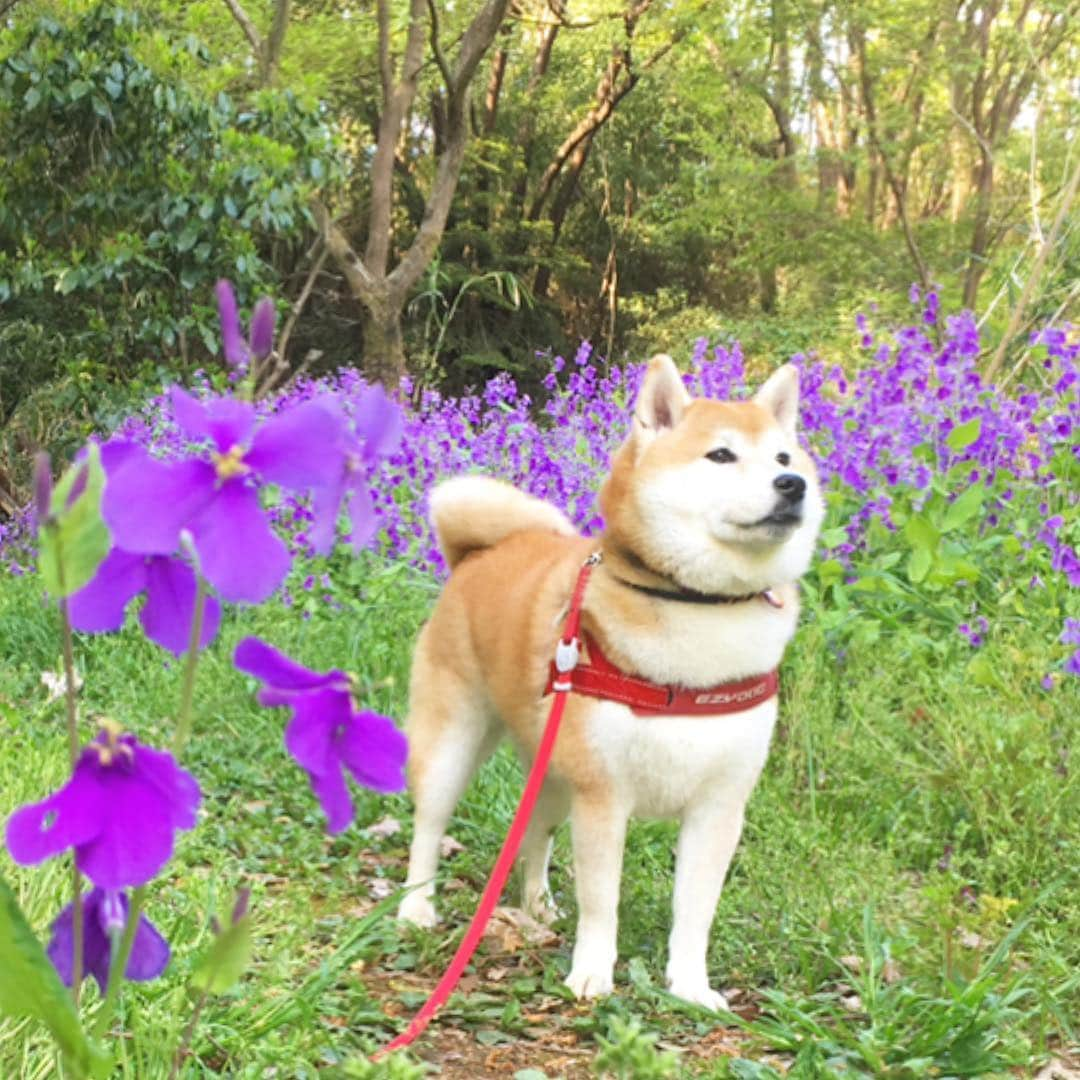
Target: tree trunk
980 235
384 345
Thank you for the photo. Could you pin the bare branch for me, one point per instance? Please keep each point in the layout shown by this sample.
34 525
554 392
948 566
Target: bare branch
250 30
361 281
436 48
275 40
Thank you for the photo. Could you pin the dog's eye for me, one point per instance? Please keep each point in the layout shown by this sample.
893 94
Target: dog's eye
722 456
783 458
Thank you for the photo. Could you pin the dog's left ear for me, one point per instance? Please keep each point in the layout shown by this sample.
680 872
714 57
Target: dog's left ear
780 395
662 399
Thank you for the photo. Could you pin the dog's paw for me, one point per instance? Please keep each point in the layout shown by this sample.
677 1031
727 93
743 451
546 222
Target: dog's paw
590 984
418 910
698 993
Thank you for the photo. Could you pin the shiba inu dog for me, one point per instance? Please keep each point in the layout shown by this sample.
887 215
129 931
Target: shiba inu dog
711 512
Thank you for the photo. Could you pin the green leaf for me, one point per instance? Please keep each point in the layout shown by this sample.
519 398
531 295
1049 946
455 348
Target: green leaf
75 542
960 438
921 533
30 987
919 565
964 507
225 960
831 538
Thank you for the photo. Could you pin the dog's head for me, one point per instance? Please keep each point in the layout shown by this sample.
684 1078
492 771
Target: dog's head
717 496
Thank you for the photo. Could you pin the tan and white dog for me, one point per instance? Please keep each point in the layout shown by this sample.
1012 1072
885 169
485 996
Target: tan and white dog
711 514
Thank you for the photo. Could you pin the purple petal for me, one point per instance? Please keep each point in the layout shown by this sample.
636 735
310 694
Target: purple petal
325 504
333 794
232 338
262 327
148 802
149 953
301 448
374 751
61 947
70 817
239 554
226 421
362 517
274 668
149 950
170 606
309 736
379 422
148 502
99 607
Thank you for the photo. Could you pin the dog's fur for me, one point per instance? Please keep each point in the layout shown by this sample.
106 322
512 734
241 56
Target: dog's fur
676 520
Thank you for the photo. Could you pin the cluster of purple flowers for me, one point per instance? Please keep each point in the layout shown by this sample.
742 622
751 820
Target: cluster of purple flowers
189 530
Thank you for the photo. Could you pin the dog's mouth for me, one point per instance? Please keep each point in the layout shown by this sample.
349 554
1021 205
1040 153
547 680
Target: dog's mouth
779 519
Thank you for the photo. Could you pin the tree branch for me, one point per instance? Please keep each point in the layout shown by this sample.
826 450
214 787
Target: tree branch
250 30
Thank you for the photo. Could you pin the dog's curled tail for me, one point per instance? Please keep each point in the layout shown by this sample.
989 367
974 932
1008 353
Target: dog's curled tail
474 512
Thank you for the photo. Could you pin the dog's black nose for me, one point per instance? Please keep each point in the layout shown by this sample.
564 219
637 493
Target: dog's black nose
791 486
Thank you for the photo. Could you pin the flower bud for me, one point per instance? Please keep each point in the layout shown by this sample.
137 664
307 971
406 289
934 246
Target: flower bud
262 328
42 488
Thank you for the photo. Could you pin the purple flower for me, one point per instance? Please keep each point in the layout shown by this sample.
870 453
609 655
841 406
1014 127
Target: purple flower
1070 634
378 423
104 918
119 812
147 502
170 587
239 352
1072 665
326 735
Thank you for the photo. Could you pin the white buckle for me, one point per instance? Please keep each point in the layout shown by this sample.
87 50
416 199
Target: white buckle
567 655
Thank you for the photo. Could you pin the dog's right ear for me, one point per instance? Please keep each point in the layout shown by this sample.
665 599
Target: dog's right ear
662 399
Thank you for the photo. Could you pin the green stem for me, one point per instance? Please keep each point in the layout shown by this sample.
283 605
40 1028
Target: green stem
77 922
187 690
119 963
185 1041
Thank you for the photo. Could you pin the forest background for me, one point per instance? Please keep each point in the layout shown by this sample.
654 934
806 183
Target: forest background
446 189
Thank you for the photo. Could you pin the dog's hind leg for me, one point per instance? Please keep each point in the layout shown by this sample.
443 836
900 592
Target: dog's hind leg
451 732
551 810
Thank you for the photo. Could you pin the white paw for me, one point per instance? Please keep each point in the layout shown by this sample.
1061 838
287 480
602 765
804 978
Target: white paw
418 910
590 984
698 993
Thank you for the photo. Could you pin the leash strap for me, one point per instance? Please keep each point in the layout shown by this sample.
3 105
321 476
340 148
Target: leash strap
567 653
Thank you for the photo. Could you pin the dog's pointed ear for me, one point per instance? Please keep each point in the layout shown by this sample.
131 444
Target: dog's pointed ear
780 395
662 399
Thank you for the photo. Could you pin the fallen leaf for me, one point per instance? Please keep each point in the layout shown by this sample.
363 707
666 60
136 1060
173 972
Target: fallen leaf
449 847
1057 1069
381 888
852 1002
511 929
890 972
388 826
970 940
55 683
852 962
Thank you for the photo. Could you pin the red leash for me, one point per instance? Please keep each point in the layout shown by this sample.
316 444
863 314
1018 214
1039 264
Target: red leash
566 658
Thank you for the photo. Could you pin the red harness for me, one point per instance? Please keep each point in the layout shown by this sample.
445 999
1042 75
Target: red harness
600 678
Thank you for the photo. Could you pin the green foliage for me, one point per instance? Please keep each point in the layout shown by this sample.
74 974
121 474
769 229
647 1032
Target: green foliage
224 962
30 987
629 1053
127 194
74 540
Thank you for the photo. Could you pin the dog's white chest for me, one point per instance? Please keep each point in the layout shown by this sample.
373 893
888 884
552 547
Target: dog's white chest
660 765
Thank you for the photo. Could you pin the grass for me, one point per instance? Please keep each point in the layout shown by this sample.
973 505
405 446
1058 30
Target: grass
904 903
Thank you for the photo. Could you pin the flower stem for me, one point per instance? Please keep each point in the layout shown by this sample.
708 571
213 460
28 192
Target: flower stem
187 690
189 1031
73 750
119 963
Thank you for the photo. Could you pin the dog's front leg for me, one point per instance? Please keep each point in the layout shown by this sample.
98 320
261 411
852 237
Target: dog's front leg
598 825
707 841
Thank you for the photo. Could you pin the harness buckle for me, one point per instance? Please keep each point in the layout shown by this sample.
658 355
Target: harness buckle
567 655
